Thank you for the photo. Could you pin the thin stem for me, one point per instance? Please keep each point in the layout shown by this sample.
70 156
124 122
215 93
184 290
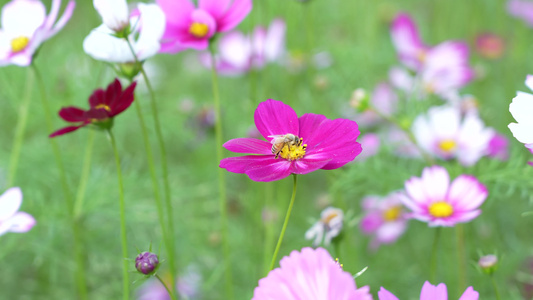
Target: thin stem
461 258
79 252
163 283
85 171
20 129
495 285
268 222
287 216
433 263
168 233
123 237
221 177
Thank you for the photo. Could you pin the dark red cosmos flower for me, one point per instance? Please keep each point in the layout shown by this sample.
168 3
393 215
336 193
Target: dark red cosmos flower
104 106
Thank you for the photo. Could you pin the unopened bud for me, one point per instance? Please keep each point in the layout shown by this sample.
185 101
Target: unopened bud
146 263
359 99
488 263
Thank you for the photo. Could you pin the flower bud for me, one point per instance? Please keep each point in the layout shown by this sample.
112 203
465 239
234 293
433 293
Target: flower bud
488 263
360 100
146 263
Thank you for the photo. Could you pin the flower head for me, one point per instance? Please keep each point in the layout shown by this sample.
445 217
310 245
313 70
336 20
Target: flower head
146 262
192 27
443 134
104 106
294 145
145 29
488 263
434 200
309 275
432 292
12 220
25 26
522 109
384 218
328 227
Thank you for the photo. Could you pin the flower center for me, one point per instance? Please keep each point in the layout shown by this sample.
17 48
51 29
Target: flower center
293 151
440 209
104 106
447 145
199 30
421 55
329 217
18 44
392 213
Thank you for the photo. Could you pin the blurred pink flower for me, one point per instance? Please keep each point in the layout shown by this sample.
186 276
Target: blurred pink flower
522 109
384 219
25 26
383 99
434 200
309 275
444 134
12 220
303 144
432 292
193 27
370 143
490 45
328 227
239 53
498 147
400 143
521 9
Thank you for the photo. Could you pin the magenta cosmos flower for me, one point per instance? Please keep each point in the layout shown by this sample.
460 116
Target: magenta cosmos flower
309 275
188 26
434 200
432 292
104 106
294 145
25 26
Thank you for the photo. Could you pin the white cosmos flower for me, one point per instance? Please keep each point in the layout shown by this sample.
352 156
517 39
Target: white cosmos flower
12 220
328 227
114 13
147 27
522 110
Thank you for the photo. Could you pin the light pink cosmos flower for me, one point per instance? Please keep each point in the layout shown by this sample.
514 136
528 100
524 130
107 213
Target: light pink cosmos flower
445 134
521 9
239 53
304 144
432 292
192 27
384 219
522 109
434 200
12 220
25 26
309 275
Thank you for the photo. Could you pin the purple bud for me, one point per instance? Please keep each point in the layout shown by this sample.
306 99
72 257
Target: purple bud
146 263
488 263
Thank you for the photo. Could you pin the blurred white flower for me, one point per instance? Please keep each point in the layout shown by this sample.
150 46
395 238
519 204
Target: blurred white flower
522 110
114 13
328 227
12 220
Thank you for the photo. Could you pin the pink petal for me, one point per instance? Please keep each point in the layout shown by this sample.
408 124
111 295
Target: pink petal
406 40
436 182
258 167
275 118
309 123
383 294
431 292
216 8
176 11
21 222
463 217
234 15
249 145
308 164
467 193
416 191
470 294
67 14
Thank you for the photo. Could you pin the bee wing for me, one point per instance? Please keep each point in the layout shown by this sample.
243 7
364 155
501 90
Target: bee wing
276 138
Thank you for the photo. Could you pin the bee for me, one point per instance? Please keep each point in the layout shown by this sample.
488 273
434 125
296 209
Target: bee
280 141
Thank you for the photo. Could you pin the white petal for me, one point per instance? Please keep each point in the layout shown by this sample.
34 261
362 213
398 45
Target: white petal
423 133
10 202
151 31
522 108
114 13
444 121
522 132
529 81
101 45
23 17
274 47
235 48
401 79
436 182
20 222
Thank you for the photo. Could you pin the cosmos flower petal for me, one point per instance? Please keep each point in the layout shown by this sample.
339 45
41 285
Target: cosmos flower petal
124 98
10 202
238 10
383 294
23 17
467 193
521 107
309 164
406 40
67 14
463 217
65 130
176 11
72 114
274 47
248 145
216 8
416 190
20 222
431 292
436 182
153 27
101 45
308 124
275 118
447 54
114 13
269 170
529 81
522 132
470 294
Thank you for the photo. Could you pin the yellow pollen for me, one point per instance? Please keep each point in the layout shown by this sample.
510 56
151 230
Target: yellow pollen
447 145
328 218
103 106
338 263
293 152
18 44
392 213
199 30
441 209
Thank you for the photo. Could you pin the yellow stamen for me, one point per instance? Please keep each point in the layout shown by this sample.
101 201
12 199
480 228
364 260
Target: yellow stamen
329 217
392 213
338 262
20 43
441 209
447 145
104 106
199 30
293 152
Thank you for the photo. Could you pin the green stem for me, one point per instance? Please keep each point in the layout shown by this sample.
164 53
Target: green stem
20 129
461 258
79 253
221 177
163 283
433 263
123 237
168 233
85 171
496 292
287 216
269 231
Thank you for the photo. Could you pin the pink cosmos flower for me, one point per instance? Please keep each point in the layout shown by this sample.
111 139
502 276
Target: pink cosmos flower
385 219
192 27
522 108
370 142
239 53
432 292
434 200
301 145
25 26
521 9
12 220
445 134
309 275
498 147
